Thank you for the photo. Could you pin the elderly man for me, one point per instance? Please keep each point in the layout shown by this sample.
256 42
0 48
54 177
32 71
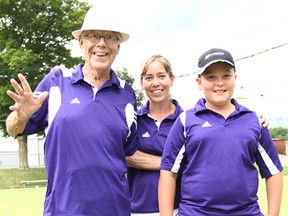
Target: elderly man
89 119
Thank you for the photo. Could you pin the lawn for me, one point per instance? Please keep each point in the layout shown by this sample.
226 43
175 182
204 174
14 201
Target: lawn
12 177
22 201
29 201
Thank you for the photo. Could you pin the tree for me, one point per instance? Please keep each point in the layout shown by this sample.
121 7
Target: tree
23 152
123 74
279 133
34 37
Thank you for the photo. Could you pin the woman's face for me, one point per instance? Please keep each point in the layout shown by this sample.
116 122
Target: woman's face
157 83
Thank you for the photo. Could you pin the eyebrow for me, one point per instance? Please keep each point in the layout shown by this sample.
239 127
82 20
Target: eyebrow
97 32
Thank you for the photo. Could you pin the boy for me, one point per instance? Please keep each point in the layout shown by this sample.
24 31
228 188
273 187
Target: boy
214 146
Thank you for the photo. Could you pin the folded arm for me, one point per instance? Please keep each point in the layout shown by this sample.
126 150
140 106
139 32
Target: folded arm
141 160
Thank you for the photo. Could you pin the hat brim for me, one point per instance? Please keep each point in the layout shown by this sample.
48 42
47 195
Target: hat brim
124 36
212 62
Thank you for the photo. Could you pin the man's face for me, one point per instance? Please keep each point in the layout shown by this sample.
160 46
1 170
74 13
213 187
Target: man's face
99 48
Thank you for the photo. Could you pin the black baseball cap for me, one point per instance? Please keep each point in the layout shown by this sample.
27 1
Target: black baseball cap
212 56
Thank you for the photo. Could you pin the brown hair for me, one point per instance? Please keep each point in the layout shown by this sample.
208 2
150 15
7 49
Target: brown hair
165 62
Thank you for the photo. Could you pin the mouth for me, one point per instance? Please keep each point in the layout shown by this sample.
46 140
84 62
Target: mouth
220 91
100 54
156 92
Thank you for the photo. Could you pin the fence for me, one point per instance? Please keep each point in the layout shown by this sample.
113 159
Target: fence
9 156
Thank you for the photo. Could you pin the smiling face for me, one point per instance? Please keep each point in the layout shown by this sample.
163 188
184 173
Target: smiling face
99 49
218 83
156 82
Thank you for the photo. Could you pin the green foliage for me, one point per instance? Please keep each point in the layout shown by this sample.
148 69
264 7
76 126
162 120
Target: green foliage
139 96
34 37
124 75
279 133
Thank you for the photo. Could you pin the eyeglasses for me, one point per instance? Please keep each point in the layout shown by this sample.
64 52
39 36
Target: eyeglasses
95 38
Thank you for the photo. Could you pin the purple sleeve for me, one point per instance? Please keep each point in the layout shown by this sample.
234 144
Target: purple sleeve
174 149
267 157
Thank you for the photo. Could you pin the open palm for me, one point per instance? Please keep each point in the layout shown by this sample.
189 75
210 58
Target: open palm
25 102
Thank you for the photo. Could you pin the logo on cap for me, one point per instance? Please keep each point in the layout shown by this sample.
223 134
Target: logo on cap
213 54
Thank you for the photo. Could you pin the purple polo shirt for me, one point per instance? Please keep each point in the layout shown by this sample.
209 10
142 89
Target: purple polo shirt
216 157
144 183
87 136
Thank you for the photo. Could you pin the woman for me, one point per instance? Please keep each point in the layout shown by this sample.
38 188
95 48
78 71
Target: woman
155 120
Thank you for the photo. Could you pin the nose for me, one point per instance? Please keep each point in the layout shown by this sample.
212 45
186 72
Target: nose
155 81
220 82
101 41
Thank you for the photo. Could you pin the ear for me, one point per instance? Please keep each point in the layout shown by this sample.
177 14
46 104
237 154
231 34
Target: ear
172 81
235 80
118 49
198 81
141 84
80 42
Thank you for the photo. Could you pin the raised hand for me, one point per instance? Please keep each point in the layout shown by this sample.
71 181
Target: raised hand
25 102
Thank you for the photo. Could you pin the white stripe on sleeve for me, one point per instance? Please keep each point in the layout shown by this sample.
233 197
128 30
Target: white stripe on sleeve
267 160
180 155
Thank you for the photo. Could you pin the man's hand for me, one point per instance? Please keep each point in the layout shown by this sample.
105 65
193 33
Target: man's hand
25 105
25 102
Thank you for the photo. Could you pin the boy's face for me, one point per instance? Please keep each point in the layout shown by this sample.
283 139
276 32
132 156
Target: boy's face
217 83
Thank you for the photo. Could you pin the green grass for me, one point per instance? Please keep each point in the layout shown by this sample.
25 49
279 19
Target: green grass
22 201
29 201
285 171
11 178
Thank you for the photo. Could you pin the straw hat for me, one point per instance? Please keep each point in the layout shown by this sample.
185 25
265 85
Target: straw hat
97 19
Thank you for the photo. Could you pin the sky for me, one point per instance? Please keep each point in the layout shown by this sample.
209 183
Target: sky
254 31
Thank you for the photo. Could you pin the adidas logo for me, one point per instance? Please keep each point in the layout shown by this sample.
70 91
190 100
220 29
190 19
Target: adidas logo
146 134
206 124
75 101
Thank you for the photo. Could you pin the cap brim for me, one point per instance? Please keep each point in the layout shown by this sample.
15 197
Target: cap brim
212 62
